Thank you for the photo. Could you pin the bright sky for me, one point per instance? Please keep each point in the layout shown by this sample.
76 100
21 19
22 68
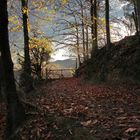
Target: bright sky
117 11
60 55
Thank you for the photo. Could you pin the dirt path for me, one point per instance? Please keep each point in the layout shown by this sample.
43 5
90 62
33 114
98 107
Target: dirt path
71 110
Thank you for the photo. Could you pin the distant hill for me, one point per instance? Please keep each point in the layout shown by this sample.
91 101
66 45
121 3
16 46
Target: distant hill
68 63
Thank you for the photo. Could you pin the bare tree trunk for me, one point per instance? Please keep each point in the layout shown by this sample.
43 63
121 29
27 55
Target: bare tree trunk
0 90
94 34
0 77
87 43
15 110
135 17
83 32
27 61
92 22
27 65
138 13
78 52
107 24
95 25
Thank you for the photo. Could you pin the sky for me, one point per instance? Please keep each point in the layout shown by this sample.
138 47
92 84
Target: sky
60 55
47 28
117 11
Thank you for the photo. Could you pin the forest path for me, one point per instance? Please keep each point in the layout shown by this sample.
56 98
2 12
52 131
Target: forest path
72 110
104 111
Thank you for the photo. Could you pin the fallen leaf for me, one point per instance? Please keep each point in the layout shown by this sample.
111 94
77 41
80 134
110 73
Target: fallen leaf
86 123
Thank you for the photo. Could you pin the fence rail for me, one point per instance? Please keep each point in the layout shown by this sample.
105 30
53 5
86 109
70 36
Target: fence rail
59 73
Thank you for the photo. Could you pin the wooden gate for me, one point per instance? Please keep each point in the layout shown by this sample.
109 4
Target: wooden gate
59 73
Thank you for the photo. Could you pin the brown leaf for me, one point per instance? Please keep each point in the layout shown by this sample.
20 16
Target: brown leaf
130 130
86 123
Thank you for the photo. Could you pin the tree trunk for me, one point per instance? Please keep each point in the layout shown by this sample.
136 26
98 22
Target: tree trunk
78 52
92 22
0 89
0 77
138 13
87 45
107 24
15 110
83 32
95 24
27 61
135 17
94 34
27 65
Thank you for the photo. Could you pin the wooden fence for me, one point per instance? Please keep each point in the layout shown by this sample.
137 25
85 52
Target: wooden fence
59 73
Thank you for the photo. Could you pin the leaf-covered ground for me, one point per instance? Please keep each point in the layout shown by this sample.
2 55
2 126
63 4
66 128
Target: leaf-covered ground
70 110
